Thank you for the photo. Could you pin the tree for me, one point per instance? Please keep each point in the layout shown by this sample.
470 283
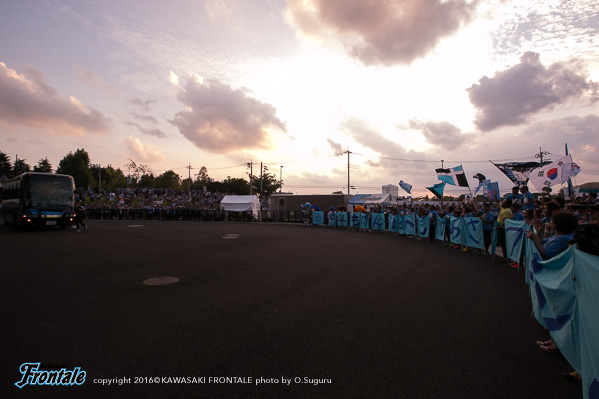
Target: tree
20 166
77 165
168 179
203 177
269 184
113 178
146 181
43 166
236 186
5 168
138 170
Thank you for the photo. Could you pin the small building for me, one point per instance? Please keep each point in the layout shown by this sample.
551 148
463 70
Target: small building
392 190
291 202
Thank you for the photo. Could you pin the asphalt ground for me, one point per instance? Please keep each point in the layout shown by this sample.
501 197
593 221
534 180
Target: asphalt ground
335 313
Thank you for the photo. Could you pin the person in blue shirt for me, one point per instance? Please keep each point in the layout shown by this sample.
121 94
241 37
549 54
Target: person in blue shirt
516 214
488 220
514 196
528 200
564 224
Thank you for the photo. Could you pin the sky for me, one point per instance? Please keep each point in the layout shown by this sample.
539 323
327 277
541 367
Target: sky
406 86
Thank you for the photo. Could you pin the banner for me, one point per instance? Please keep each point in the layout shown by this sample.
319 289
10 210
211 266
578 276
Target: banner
473 230
494 239
317 218
377 221
364 221
564 293
440 229
392 223
514 237
354 220
410 224
456 235
401 224
342 219
424 226
332 219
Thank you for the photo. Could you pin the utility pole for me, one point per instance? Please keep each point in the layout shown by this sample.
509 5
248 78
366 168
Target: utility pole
281 180
250 165
189 168
348 166
348 152
541 154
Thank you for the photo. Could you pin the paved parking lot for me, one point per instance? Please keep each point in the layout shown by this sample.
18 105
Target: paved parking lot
266 311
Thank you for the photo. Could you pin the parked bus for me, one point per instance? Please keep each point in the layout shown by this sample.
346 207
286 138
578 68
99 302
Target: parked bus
37 199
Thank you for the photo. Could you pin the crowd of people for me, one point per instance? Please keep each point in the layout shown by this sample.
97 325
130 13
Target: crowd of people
558 224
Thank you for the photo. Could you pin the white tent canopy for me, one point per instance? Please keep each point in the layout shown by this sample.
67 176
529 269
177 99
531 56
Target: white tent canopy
241 203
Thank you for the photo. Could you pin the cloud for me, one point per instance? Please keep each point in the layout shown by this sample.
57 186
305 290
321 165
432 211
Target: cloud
336 147
26 99
382 32
576 131
369 137
442 134
143 105
221 119
93 79
150 132
514 95
143 152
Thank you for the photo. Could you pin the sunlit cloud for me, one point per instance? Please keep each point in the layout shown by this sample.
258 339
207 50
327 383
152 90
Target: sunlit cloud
442 134
382 32
27 99
143 152
222 119
512 96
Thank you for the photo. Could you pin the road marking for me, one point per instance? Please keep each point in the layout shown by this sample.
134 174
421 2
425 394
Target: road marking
161 281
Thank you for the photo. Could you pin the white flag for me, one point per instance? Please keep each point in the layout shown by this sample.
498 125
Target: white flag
557 172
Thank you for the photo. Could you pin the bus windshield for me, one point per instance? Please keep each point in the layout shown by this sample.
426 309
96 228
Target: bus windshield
49 191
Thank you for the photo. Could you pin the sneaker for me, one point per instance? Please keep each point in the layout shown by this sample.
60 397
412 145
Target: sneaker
78 231
465 249
551 348
513 264
456 246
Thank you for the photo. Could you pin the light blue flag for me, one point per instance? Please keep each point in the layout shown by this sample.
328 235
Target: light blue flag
473 229
514 236
342 219
317 218
440 229
401 224
377 221
456 229
410 226
392 223
354 220
424 226
364 221
586 271
332 218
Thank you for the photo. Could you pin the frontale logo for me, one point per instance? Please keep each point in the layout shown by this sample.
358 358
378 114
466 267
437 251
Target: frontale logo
33 376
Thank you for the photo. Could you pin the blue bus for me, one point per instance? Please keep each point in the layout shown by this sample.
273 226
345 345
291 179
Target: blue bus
37 199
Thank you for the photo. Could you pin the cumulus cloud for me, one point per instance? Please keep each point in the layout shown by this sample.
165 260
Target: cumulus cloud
369 137
513 95
143 152
221 119
442 134
382 32
336 147
578 132
26 99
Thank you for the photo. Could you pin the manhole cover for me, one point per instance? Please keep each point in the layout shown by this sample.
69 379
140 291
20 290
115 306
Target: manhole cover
161 281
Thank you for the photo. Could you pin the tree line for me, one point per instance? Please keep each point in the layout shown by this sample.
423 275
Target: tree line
135 175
